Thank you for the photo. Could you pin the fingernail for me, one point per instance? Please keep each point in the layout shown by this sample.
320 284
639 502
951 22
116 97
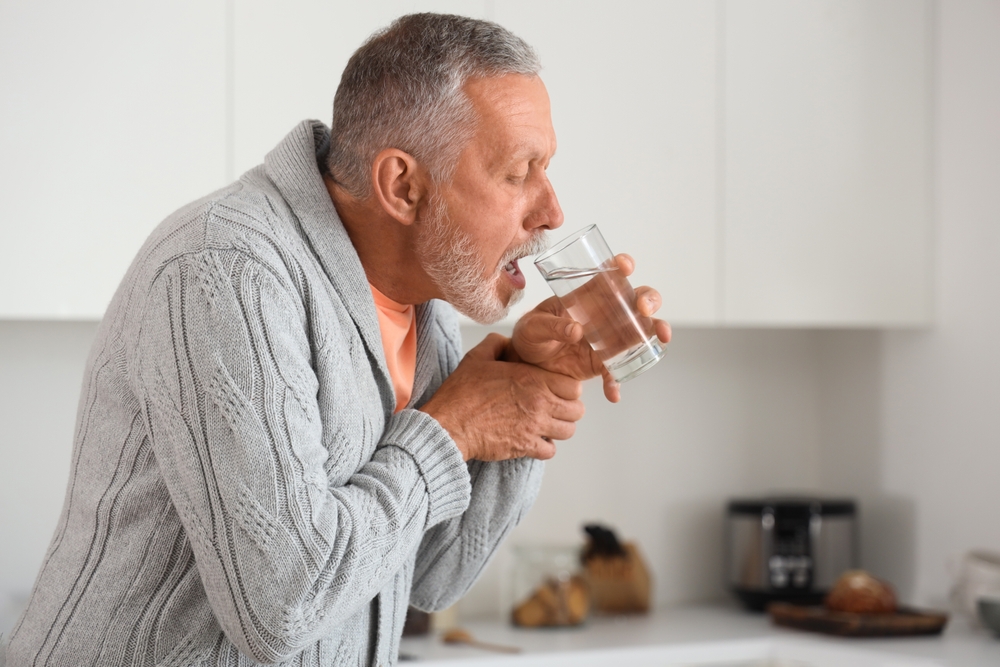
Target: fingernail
569 329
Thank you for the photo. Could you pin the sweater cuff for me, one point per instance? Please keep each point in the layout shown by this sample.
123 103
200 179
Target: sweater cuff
438 459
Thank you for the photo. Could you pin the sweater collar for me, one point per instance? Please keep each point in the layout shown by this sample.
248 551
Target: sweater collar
293 166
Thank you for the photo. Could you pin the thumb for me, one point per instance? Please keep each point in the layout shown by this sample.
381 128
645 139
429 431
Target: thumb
541 328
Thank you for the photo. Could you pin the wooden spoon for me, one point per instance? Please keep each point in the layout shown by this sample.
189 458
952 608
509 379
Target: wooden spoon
460 636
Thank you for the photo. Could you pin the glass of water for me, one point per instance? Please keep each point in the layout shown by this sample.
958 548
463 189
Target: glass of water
582 272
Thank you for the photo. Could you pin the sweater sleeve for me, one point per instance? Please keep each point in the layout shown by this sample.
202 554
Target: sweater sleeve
223 368
454 553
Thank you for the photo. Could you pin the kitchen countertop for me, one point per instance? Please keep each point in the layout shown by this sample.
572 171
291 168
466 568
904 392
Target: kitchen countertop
712 630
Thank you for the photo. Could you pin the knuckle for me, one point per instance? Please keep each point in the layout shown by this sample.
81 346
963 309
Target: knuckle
537 404
534 427
525 374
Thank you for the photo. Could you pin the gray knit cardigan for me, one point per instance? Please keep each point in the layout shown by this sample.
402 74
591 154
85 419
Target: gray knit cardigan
241 490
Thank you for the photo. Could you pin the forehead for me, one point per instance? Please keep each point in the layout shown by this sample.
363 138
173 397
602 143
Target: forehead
514 119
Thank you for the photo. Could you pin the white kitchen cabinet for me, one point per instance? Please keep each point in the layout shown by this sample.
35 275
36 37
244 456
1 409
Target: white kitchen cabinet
827 166
766 163
633 94
289 56
113 115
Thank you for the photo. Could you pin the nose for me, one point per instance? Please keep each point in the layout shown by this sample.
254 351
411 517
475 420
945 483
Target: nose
548 213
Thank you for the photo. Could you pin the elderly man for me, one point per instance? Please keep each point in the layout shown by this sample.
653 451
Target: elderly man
277 448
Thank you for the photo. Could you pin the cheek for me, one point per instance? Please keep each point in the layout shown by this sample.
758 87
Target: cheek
492 219
494 229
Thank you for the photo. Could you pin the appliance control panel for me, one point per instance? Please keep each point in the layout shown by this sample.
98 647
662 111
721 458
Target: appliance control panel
790 565
790 571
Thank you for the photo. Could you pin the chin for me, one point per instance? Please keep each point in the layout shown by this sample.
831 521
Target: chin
481 316
488 310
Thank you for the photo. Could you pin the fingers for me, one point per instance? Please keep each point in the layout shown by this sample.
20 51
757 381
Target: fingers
543 449
647 301
560 421
625 263
663 330
566 412
612 390
560 430
563 386
556 407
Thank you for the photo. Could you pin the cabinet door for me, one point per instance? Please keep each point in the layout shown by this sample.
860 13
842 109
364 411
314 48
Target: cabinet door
289 57
827 216
113 116
632 86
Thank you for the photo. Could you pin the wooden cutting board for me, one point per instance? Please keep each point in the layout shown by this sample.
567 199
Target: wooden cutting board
820 619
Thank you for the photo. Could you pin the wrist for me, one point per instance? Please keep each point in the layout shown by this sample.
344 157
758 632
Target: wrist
442 419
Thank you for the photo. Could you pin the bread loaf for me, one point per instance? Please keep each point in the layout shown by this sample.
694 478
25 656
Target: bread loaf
858 592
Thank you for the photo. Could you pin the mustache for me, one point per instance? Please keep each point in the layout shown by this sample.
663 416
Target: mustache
534 245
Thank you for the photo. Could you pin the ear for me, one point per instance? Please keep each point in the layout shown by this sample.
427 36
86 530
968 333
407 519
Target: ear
399 183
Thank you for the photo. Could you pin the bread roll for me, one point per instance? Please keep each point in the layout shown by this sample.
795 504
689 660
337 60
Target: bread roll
555 603
858 592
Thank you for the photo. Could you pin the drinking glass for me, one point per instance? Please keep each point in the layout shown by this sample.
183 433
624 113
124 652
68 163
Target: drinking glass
582 272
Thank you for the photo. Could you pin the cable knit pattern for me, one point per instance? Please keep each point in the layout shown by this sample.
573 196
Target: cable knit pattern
242 491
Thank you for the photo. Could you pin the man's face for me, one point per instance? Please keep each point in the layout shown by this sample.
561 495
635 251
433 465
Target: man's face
499 202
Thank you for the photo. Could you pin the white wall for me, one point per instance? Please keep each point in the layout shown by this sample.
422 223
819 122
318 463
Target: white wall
41 368
727 412
940 393
911 419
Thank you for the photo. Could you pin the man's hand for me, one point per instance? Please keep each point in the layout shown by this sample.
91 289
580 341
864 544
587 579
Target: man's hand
497 410
549 338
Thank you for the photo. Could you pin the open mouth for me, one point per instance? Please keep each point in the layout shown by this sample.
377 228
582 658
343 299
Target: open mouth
536 244
514 273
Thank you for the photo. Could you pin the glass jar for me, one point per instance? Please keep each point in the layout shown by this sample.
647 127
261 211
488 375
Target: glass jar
547 589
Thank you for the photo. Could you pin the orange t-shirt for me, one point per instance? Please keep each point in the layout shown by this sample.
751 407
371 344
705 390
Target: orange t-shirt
398 325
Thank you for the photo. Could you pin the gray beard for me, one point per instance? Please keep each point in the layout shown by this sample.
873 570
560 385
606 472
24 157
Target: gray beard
449 257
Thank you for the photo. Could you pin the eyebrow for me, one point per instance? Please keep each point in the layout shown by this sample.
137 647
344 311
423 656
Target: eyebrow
526 151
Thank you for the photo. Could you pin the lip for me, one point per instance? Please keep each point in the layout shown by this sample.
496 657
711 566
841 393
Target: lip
516 277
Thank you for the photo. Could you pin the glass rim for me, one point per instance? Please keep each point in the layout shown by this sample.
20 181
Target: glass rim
566 242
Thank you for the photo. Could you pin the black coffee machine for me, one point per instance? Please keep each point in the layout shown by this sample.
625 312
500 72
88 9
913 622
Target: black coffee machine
788 548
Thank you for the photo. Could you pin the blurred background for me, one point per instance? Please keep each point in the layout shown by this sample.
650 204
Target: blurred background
814 187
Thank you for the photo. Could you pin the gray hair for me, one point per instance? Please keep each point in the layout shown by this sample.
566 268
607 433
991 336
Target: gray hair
403 89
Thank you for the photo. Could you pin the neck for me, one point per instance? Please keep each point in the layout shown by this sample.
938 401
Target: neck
385 246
